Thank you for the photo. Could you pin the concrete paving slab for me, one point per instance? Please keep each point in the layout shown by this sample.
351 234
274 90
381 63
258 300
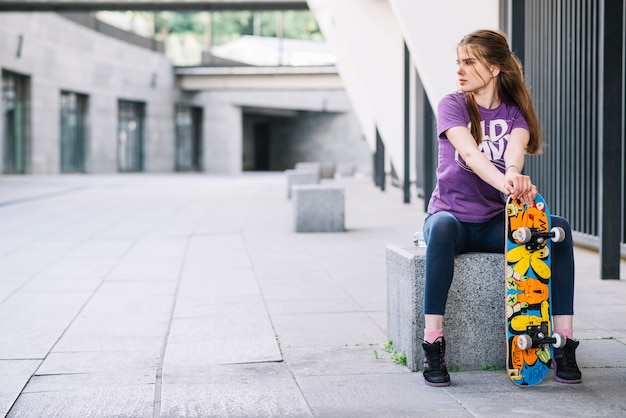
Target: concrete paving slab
358 359
10 283
15 374
217 252
241 390
96 248
15 190
220 312
81 267
298 306
31 322
80 396
326 329
114 362
28 338
598 353
148 269
200 290
489 394
236 336
130 298
195 356
302 286
379 318
33 257
116 327
61 284
74 342
607 384
36 304
368 396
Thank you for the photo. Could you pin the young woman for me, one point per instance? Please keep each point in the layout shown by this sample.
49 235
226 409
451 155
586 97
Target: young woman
484 132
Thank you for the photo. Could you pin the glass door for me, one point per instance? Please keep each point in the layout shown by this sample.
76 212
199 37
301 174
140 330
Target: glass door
16 122
130 136
73 132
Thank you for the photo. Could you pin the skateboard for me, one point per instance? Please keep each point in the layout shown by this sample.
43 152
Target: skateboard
528 311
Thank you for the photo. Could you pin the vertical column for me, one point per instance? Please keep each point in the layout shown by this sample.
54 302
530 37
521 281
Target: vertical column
430 151
611 133
406 186
517 31
379 162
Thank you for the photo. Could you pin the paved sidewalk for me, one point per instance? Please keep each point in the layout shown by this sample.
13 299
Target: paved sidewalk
191 296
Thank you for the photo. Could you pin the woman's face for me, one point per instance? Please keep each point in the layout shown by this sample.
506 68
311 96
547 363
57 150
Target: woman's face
473 74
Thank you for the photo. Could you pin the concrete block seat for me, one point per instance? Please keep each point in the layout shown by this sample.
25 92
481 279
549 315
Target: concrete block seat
345 170
326 170
474 324
318 208
313 166
301 176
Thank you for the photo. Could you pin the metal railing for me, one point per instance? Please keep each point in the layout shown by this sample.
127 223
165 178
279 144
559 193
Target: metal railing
561 67
573 62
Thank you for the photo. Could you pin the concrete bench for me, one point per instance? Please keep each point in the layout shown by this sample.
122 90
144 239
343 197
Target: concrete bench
326 170
318 208
301 176
313 166
474 321
345 170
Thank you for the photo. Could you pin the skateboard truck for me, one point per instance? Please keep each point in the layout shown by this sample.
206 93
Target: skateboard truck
535 239
537 336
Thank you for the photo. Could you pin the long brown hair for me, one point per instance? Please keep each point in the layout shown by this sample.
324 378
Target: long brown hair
492 49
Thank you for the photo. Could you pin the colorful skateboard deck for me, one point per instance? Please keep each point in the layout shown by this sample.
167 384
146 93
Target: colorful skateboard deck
528 309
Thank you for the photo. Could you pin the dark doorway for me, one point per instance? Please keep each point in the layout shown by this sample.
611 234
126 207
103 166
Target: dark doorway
262 149
188 138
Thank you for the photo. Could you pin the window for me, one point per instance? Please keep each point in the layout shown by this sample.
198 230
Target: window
188 138
73 132
16 122
130 136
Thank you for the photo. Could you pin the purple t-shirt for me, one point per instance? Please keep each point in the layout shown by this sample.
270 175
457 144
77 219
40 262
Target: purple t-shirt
458 190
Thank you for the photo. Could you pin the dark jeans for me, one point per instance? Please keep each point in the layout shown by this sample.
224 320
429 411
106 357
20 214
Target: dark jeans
446 236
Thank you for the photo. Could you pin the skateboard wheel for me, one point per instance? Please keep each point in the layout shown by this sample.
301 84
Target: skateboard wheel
559 234
560 340
524 342
522 235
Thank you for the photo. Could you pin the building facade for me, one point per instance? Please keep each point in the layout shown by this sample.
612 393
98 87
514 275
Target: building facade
80 96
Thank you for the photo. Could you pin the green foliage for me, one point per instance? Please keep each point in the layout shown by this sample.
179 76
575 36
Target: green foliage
398 358
228 25
490 368
301 25
182 22
231 25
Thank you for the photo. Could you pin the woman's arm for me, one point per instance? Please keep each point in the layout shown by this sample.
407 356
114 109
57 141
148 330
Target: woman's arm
518 185
461 138
512 182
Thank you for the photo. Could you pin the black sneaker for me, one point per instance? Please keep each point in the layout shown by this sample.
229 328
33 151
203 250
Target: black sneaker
565 368
435 371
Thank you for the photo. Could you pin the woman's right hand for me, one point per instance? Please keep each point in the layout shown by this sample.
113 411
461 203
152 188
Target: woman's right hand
520 187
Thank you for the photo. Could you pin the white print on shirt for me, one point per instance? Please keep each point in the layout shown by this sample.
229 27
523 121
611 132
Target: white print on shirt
493 144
